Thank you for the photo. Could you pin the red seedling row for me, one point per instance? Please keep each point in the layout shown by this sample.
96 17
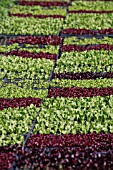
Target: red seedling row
81 76
86 31
75 151
26 54
47 40
37 16
79 150
89 11
44 3
67 158
69 48
79 92
70 140
19 102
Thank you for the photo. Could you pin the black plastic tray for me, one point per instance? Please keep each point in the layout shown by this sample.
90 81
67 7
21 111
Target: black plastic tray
100 36
24 35
8 81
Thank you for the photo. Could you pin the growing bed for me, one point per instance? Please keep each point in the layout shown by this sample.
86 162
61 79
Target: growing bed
56 85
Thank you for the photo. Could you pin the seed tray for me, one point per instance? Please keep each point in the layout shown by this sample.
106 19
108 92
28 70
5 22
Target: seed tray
26 136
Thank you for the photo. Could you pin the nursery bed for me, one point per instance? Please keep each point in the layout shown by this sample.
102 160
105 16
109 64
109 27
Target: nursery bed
56 85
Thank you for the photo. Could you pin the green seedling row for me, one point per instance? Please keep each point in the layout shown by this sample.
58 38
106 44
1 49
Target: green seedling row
82 83
18 67
84 41
37 10
78 115
13 91
87 61
89 21
91 5
30 26
30 48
